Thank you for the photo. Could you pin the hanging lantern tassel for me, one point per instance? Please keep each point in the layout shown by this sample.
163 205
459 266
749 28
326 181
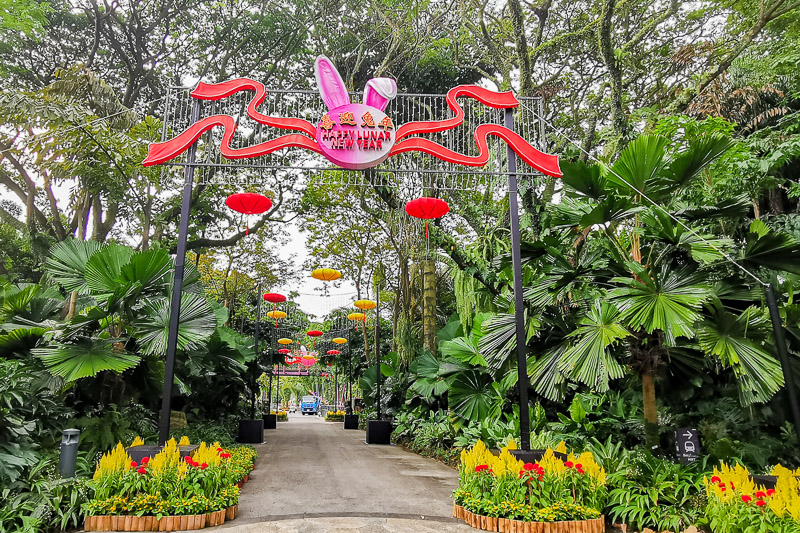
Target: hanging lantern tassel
426 229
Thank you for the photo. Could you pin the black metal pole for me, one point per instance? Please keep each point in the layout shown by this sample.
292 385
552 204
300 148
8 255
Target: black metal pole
254 378
780 344
377 343
278 390
349 375
177 282
519 305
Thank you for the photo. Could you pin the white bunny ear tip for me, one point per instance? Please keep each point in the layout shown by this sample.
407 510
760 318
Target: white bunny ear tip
386 87
379 91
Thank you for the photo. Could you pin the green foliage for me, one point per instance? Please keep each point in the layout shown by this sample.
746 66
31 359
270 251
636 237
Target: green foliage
647 491
33 415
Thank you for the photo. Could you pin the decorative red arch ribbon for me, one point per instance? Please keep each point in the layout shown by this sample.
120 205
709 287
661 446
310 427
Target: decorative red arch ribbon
407 141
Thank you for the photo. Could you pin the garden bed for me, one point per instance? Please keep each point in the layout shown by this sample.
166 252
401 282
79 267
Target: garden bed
505 525
168 492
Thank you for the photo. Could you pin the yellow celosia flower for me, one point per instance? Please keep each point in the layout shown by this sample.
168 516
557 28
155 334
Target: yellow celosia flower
137 442
184 441
205 454
113 462
168 458
562 447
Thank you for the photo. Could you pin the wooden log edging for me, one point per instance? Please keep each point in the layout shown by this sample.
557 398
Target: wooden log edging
505 525
165 523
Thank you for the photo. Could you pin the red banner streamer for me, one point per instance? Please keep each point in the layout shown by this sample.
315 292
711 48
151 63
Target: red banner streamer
545 163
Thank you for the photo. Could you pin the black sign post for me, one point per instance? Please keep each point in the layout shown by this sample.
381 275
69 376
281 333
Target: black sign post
687 444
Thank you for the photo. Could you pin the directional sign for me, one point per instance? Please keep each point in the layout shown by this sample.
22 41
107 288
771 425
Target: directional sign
687 444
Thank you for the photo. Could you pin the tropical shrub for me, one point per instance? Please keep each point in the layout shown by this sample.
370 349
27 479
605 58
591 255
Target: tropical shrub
647 491
736 504
548 491
43 501
167 484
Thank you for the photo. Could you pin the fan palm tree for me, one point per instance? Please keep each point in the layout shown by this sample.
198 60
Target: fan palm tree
645 283
125 315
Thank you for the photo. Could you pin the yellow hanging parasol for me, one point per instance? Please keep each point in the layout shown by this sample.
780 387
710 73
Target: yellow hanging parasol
285 341
276 315
339 340
326 274
365 305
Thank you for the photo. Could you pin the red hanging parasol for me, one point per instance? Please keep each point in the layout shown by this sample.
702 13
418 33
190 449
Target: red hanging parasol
284 351
334 352
248 203
427 208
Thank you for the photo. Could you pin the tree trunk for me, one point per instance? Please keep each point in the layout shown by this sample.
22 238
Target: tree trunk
650 410
429 305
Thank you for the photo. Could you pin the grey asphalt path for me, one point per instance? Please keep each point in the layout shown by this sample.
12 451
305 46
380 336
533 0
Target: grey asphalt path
313 476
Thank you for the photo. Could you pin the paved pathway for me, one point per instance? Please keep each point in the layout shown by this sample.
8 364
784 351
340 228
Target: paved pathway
313 476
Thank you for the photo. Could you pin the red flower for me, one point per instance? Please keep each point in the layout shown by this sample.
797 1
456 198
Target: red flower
526 466
578 466
142 470
145 460
220 449
770 492
203 466
580 471
134 464
761 494
761 503
746 498
723 489
490 470
521 472
187 459
732 487
715 479
568 464
722 485
541 476
481 468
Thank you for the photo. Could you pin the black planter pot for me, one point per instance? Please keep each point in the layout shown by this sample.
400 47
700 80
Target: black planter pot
270 421
532 456
138 453
379 432
251 431
350 421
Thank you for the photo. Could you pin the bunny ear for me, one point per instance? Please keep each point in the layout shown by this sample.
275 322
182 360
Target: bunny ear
330 83
379 91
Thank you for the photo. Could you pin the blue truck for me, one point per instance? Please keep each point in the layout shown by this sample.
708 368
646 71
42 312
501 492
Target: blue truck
309 405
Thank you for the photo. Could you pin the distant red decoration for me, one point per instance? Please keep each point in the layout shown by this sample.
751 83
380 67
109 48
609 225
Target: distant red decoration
274 298
314 333
427 208
248 203
284 351
334 352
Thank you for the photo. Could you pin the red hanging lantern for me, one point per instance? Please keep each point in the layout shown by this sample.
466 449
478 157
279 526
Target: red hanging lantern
427 208
248 203
314 333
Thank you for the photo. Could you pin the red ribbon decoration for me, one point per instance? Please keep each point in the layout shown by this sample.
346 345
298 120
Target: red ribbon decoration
158 153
